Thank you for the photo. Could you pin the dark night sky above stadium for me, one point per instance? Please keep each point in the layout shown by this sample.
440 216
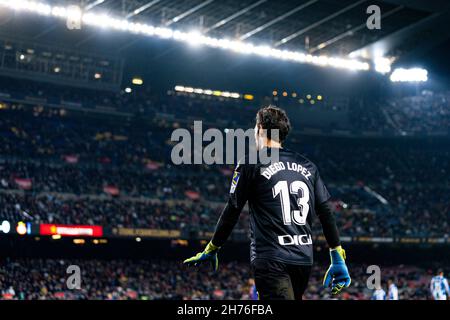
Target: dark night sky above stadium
167 63
437 60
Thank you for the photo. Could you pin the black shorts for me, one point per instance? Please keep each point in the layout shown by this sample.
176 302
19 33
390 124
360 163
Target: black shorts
280 281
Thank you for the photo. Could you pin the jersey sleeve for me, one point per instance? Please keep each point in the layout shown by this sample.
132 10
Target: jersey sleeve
324 210
321 193
239 188
238 196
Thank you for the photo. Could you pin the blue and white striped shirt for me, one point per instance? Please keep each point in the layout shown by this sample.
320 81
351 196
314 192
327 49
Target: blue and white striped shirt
393 292
439 288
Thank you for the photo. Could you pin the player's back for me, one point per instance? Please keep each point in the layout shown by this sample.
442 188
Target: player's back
282 202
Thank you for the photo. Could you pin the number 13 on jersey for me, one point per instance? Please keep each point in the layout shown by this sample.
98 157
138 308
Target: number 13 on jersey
298 188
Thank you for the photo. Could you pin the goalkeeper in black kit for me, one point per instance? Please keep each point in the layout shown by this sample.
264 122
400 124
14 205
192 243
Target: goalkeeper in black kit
282 198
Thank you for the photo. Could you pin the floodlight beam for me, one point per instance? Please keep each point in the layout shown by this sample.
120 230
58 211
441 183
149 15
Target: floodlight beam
142 9
316 24
93 5
234 16
277 19
188 13
351 31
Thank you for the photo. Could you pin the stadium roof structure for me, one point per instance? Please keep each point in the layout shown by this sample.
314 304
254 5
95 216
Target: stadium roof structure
325 26
334 28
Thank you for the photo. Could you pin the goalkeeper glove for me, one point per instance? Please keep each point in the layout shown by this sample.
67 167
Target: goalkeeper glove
337 274
208 255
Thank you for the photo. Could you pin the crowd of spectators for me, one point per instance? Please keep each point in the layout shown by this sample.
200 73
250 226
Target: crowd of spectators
66 168
425 113
406 216
62 166
47 279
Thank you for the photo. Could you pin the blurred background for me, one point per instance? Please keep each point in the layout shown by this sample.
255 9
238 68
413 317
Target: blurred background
91 91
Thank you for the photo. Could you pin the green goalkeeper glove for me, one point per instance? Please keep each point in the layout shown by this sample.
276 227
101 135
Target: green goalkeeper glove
208 255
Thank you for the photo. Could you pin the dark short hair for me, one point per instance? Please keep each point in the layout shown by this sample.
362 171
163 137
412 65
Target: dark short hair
271 117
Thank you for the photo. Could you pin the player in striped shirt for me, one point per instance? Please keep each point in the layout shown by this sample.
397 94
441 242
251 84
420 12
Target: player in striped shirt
439 286
379 294
392 290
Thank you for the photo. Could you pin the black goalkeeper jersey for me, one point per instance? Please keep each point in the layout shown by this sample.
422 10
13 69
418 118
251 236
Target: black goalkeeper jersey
282 198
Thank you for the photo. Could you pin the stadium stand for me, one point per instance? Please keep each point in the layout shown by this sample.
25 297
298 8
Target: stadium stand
44 279
98 170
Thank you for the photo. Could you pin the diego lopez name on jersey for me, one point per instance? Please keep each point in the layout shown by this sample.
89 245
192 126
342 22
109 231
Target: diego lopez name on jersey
269 171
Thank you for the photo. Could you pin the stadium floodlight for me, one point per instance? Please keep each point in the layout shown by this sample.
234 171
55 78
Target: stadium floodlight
93 5
382 65
32 6
137 81
409 75
5 226
75 13
208 92
79 241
